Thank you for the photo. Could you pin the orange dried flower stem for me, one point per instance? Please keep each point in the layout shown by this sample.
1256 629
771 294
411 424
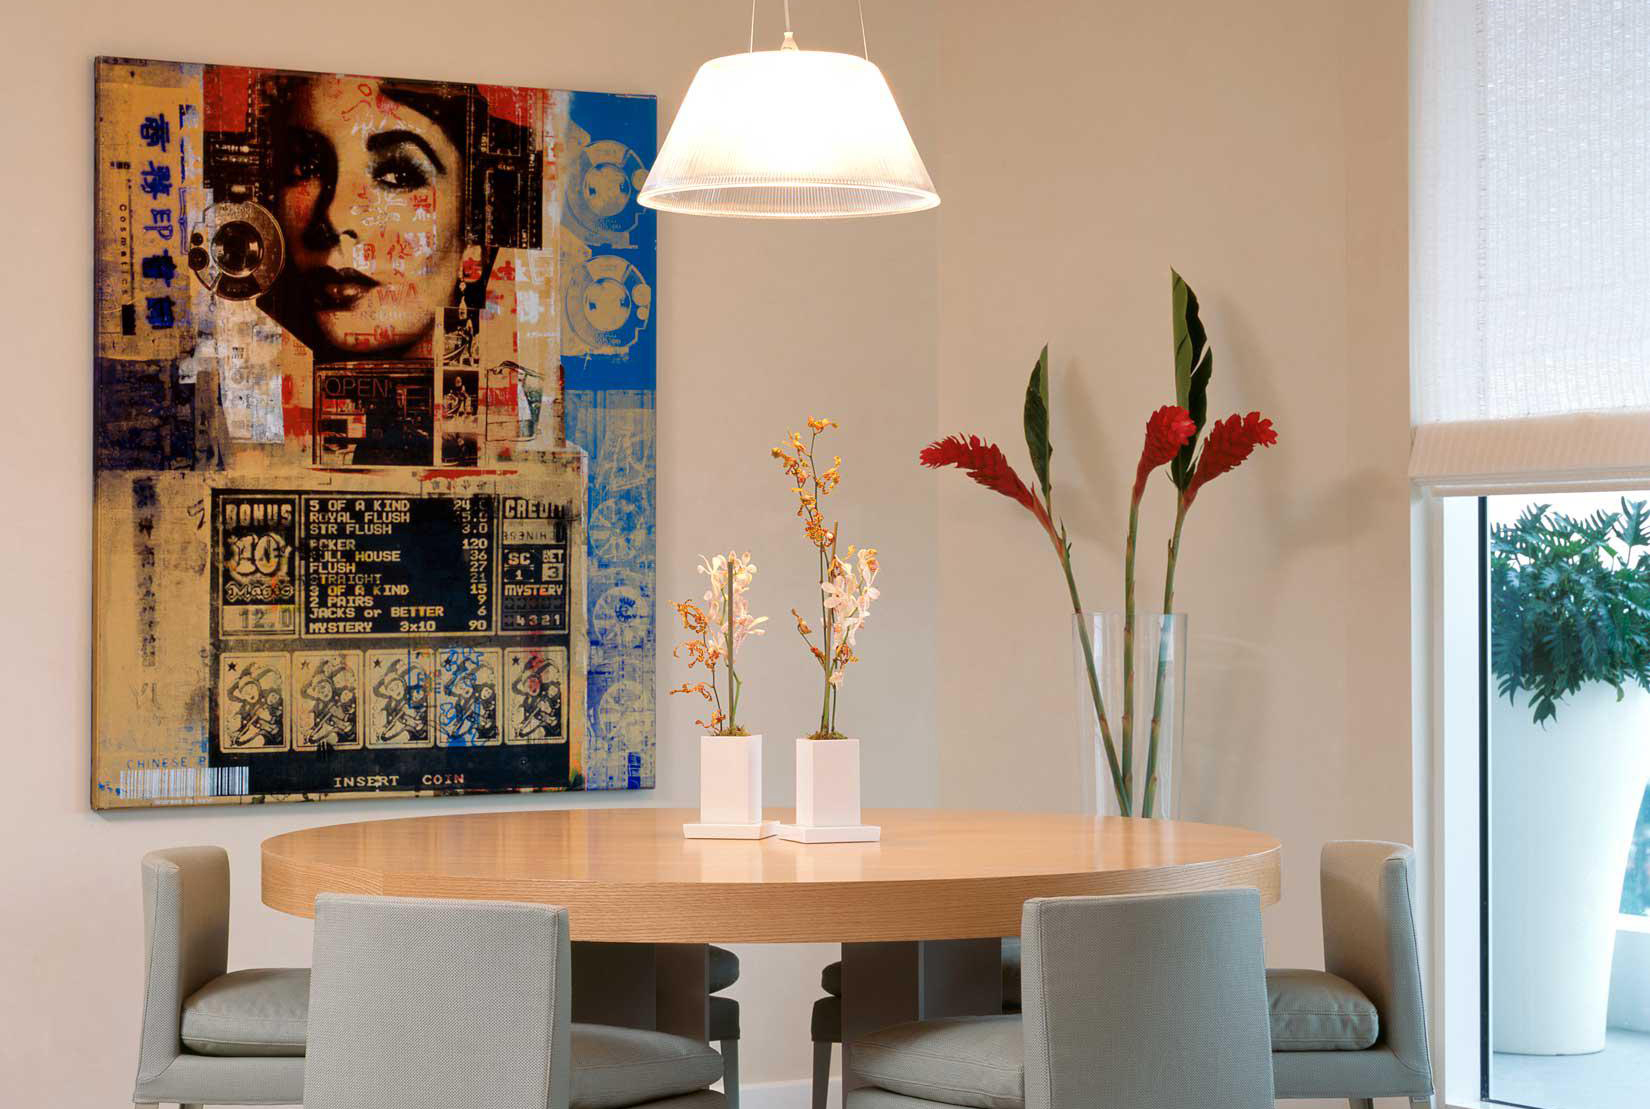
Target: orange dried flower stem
799 460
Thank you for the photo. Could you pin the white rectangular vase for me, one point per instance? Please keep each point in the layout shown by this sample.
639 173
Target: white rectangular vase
730 790
827 794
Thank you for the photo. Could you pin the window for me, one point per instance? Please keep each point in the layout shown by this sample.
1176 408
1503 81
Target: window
1635 890
1566 786
1530 374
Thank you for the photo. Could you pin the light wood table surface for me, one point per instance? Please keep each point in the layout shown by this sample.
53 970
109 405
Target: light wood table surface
627 875
919 914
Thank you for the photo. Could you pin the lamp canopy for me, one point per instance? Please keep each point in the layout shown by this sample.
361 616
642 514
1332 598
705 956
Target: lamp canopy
789 134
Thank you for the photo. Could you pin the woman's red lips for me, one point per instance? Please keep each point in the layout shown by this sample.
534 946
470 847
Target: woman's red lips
332 289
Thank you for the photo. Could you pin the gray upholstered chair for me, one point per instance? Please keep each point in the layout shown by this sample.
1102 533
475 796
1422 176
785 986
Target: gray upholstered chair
1151 1002
825 1027
439 1004
211 1037
590 964
1358 1028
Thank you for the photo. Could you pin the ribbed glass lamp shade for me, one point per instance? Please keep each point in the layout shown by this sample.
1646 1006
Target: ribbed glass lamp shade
789 134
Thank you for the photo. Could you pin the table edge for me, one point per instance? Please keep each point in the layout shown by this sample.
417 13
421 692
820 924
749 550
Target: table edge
975 907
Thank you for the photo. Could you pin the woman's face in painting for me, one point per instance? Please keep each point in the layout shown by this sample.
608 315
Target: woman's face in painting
369 198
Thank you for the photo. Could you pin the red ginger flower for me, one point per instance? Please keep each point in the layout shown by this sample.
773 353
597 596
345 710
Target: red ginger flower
1167 430
986 464
1230 441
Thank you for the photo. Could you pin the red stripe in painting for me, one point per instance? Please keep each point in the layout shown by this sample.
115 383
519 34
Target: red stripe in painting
454 475
227 92
519 106
297 420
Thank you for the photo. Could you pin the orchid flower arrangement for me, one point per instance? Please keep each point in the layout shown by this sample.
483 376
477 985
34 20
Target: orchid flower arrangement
718 631
1171 440
847 580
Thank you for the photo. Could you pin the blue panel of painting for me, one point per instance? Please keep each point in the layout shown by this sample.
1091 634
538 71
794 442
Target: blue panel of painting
610 382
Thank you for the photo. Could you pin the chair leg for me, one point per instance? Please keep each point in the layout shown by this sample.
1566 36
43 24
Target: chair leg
822 1073
730 1072
1361 1102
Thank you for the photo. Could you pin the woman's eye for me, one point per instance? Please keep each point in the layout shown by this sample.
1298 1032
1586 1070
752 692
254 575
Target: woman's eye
401 173
306 159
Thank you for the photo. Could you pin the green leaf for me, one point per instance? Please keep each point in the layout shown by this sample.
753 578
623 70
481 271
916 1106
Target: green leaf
1197 407
1189 338
1036 420
1194 364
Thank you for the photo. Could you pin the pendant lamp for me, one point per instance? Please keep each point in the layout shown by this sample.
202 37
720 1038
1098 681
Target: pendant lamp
789 134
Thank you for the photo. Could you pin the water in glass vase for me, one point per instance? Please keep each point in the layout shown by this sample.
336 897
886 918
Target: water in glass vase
1129 754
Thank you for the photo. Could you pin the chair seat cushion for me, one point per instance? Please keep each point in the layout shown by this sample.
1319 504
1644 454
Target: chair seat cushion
249 1012
978 1061
1316 1011
616 1067
724 969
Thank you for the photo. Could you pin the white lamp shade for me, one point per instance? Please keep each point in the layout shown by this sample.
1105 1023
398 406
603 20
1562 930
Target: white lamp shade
789 134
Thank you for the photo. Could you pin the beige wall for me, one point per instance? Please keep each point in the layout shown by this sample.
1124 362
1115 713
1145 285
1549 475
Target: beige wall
761 326
1260 149
1081 149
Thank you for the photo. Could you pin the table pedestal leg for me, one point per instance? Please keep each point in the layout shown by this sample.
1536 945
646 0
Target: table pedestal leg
659 987
889 983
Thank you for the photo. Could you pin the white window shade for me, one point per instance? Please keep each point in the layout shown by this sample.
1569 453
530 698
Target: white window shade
1530 202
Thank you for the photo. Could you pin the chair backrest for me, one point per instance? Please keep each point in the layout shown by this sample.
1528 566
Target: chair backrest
185 943
436 1004
1369 938
1149 1002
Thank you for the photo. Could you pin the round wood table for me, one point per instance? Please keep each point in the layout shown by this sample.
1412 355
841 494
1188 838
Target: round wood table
627 875
919 915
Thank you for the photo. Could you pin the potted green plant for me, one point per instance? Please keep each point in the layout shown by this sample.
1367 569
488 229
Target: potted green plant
1569 755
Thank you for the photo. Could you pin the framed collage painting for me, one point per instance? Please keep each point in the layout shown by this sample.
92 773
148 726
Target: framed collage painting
374 375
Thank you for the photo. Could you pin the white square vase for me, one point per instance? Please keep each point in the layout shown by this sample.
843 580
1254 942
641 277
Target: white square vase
827 794
730 790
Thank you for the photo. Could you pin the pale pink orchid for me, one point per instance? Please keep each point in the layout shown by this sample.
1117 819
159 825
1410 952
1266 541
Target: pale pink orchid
726 616
848 593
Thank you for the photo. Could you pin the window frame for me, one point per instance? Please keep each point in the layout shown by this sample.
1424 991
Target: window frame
1453 687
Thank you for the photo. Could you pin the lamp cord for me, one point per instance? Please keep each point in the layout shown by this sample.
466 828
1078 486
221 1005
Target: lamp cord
864 41
751 47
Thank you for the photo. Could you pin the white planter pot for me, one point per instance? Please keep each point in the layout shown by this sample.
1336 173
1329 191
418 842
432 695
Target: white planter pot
827 794
1563 802
730 790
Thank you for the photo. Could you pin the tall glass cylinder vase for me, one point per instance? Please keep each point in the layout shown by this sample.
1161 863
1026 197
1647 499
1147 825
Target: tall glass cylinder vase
1144 779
